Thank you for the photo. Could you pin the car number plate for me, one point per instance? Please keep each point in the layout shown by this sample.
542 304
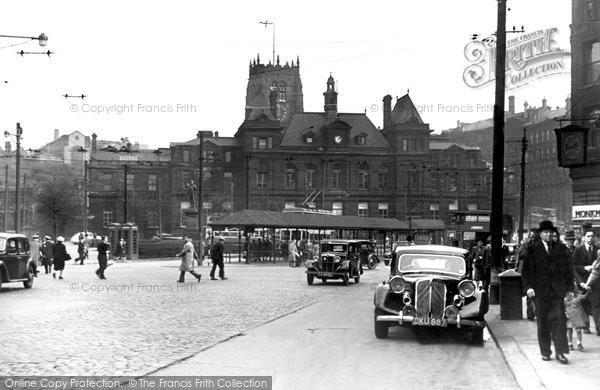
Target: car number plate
426 321
326 274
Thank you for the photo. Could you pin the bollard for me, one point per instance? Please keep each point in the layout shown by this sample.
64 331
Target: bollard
511 291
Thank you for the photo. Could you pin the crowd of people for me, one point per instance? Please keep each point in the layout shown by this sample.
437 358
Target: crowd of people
562 283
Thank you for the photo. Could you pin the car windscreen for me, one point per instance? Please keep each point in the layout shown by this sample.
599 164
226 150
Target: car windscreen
339 248
2 244
413 262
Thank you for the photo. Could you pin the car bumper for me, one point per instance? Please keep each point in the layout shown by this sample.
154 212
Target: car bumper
402 319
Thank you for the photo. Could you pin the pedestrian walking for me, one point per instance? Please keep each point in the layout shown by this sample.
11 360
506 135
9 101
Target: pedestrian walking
583 257
187 260
480 260
292 253
36 252
216 255
570 241
47 256
548 276
120 250
576 317
80 251
103 250
60 255
532 239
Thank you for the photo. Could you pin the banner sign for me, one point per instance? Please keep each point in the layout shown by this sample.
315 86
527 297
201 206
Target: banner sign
529 57
585 213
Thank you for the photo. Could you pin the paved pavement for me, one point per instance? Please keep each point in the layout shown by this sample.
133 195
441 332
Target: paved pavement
139 319
517 339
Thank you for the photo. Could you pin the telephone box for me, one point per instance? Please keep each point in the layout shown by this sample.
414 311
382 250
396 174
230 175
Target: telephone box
129 232
114 235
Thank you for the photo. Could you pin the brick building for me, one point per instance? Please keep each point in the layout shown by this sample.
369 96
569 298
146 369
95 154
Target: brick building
585 95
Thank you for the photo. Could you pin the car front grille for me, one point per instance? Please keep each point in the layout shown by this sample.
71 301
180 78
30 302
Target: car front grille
327 263
430 298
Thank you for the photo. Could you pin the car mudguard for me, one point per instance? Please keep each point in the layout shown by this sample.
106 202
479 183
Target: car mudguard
380 293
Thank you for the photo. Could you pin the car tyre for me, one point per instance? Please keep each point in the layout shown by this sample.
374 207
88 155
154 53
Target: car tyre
381 328
310 278
372 262
29 282
324 280
346 278
476 335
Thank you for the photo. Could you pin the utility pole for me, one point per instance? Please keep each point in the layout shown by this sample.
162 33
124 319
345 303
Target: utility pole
522 195
201 134
85 197
498 148
17 216
160 222
125 173
6 198
25 199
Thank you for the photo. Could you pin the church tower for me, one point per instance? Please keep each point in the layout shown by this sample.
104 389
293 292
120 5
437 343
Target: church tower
275 90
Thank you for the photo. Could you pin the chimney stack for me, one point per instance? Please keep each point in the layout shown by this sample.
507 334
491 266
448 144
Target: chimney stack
511 104
56 134
387 111
568 103
94 143
216 134
544 101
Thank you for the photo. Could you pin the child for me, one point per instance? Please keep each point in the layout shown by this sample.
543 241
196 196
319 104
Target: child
576 318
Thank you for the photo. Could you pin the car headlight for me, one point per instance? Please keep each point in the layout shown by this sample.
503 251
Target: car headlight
397 284
451 311
337 259
315 258
467 288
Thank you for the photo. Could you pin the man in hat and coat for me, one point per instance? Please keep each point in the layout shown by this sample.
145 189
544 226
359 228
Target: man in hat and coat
216 255
548 276
47 249
36 252
187 260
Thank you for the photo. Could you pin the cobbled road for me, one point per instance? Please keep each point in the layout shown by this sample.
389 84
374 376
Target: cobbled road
140 320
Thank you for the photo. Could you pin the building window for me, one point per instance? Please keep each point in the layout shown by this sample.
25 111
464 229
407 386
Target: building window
228 157
592 62
361 140
183 206
130 178
261 179
151 182
152 219
435 210
363 209
254 143
405 145
363 180
383 179
335 179
290 177
282 93
337 208
453 205
105 181
382 210
107 218
310 177
186 156
589 9
262 143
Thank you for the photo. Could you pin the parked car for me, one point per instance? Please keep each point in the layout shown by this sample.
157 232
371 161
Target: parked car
338 259
16 264
429 286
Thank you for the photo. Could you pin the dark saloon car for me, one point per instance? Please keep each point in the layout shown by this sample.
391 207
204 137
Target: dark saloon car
338 259
16 264
429 287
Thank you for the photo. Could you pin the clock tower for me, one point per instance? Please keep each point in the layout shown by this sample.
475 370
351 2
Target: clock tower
274 90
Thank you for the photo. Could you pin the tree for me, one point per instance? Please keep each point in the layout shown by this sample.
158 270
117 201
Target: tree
58 200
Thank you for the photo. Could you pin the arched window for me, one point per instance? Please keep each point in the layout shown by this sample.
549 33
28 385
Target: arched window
282 93
274 86
290 177
363 176
337 177
310 176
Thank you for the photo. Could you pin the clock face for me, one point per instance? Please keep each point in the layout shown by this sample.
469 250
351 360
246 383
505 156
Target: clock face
281 112
572 147
337 139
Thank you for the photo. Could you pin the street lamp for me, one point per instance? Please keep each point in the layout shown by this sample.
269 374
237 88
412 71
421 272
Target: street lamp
18 164
42 38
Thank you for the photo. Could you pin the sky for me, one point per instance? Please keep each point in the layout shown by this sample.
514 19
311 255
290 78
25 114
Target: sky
159 71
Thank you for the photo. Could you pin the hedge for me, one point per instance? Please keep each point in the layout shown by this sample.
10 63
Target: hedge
148 249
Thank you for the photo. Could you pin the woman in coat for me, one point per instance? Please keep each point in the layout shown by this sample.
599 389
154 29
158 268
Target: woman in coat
59 252
187 260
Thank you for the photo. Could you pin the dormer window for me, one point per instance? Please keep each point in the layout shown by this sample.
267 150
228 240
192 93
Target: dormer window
361 139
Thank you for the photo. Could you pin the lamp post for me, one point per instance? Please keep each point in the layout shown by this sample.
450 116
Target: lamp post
18 173
522 192
42 38
201 134
247 158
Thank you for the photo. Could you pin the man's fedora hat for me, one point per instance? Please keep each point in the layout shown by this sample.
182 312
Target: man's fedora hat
546 225
570 235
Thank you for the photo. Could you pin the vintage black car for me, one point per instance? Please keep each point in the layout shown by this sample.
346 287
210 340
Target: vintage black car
429 286
340 259
16 264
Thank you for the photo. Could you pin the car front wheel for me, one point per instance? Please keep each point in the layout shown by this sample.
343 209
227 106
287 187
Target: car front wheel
310 278
382 329
29 282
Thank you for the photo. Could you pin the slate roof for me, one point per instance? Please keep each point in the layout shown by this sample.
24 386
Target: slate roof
219 141
278 219
439 145
404 110
359 123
